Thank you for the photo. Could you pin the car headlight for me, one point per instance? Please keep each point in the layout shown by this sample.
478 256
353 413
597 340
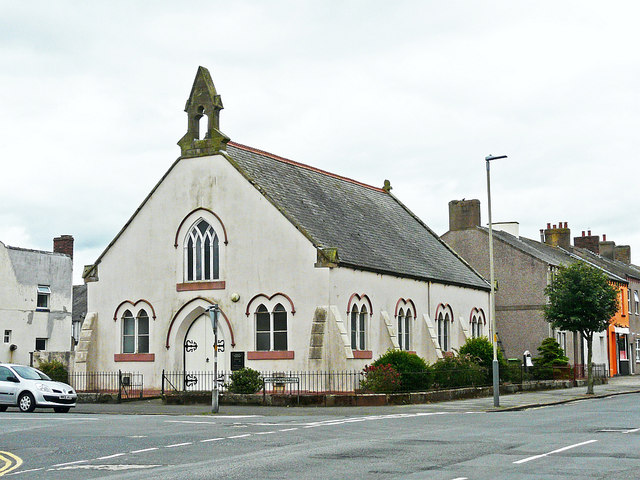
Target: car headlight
43 388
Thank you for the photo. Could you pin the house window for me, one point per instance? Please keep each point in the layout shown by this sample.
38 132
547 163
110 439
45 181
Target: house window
7 336
359 327
404 328
135 332
41 344
443 331
201 253
637 349
44 292
636 301
271 328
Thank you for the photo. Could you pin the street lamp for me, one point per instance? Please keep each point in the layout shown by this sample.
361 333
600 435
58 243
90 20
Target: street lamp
492 294
214 310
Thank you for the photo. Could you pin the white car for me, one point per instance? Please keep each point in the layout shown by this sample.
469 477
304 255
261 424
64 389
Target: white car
27 388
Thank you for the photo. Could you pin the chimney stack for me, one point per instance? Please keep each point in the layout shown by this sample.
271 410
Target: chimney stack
464 214
623 253
590 242
558 236
607 248
63 244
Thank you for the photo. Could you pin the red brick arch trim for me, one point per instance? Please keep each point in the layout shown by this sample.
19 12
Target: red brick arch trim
224 230
479 314
407 302
444 307
363 297
293 308
226 319
134 304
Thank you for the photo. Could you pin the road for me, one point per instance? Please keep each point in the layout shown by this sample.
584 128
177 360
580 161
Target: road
594 439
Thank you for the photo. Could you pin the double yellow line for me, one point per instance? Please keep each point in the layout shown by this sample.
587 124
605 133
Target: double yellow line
11 462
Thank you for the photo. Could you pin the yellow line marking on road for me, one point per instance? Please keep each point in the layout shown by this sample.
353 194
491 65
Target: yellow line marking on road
8 462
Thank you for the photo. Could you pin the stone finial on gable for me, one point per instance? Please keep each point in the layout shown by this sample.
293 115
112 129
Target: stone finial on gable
203 107
387 186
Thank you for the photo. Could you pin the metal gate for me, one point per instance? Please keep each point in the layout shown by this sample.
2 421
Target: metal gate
130 385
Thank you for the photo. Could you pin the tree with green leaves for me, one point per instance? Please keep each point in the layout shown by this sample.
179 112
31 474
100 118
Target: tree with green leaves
581 299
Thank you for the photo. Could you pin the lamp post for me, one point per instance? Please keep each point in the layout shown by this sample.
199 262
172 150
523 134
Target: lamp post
492 294
213 315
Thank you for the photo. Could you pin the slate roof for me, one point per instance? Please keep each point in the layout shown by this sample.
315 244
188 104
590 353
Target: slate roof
553 255
370 228
79 308
616 266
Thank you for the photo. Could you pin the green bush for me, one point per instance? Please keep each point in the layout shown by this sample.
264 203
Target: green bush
245 380
380 379
460 371
551 354
415 373
481 351
55 370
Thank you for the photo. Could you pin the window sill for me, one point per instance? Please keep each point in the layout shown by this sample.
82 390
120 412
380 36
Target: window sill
42 309
362 354
195 286
134 357
271 355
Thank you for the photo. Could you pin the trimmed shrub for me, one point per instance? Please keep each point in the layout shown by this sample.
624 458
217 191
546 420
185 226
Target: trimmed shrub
460 371
55 370
415 373
481 351
245 380
551 362
380 379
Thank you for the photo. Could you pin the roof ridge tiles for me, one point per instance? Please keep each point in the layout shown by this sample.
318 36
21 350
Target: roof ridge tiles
302 165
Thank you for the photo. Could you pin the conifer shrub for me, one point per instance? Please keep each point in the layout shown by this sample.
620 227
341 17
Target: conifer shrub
551 361
245 380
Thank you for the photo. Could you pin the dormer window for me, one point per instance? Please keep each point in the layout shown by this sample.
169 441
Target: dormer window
201 253
42 303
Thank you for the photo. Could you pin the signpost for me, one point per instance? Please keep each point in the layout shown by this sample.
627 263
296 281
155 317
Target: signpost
214 310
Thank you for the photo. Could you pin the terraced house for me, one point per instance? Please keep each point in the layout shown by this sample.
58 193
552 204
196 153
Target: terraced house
311 270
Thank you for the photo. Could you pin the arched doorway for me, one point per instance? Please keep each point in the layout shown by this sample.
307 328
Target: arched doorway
198 354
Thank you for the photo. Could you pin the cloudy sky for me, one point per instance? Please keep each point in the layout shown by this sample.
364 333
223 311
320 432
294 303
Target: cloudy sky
418 92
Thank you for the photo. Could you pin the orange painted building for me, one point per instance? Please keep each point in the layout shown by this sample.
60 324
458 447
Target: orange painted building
618 334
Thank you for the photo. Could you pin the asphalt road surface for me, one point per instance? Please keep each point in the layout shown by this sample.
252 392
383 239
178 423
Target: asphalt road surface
590 439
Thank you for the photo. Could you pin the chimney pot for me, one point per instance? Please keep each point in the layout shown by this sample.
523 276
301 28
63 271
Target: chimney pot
566 224
583 233
589 233
548 226
604 237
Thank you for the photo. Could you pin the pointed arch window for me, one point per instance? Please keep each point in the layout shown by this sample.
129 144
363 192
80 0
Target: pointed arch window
359 327
201 253
443 331
135 332
404 328
271 328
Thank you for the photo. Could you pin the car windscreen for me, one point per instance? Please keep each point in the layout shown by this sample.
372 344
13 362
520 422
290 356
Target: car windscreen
29 373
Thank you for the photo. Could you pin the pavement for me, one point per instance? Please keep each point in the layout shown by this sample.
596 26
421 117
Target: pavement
512 402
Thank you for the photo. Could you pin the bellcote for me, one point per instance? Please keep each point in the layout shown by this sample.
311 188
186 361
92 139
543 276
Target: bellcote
203 107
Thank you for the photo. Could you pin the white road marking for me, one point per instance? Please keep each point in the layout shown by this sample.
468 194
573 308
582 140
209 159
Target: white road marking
619 430
240 436
212 439
144 450
104 467
288 429
461 478
189 421
24 471
524 460
69 463
111 456
229 416
264 433
178 445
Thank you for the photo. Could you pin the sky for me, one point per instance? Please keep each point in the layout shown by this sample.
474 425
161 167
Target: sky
92 99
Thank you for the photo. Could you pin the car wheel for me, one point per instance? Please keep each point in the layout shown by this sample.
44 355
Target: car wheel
26 402
3 408
61 409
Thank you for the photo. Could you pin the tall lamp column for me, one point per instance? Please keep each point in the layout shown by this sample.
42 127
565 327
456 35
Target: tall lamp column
492 294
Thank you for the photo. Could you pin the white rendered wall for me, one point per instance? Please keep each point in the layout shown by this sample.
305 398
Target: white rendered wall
21 272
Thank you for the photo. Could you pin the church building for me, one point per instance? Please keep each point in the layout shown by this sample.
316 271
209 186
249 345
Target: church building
310 270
